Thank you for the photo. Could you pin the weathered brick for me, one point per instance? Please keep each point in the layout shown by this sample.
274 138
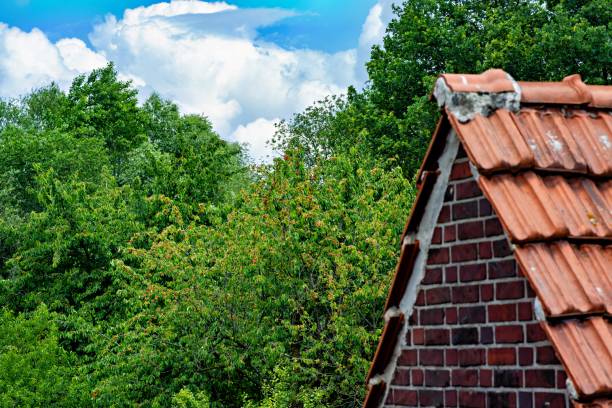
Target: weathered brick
451 357
485 250
445 214
501 399
450 398
436 337
462 211
402 397
510 290
465 335
540 378
525 400
471 357
501 248
492 227
430 317
465 378
472 272
535 333
464 252
486 377
470 230
502 313
471 399
450 233
432 276
525 311
486 292
508 378
450 274
401 377
429 398
438 295
449 195
467 189
546 355
526 356
418 336
561 379
549 400
437 236
502 269
407 358
417 376
451 315
501 356
509 334
438 256
460 171
431 357
485 208
472 314
413 320
466 294
420 300
437 378
486 335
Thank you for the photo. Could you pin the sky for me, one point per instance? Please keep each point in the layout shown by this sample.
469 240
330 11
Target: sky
245 64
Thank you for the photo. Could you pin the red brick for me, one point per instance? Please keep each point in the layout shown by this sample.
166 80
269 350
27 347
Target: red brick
508 378
450 273
486 377
417 376
486 292
473 272
420 300
418 336
450 398
437 295
431 357
451 315
485 251
540 378
464 252
401 377
444 215
546 355
465 378
471 357
435 337
465 335
502 313
525 356
438 256
549 400
535 333
407 358
402 397
470 230
525 311
429 398
466 294
510 290
472 314
486 335
432 275
485 208
501 399
502 269
462 211
509 334
413 320
431 316
450 233
451 357
501 248
437 378
561 380
501 356
525 400
437 236
460 171
449 195
492 227
467 189
471 399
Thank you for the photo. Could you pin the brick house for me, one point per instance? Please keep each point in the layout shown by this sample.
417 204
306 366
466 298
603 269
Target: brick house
502 295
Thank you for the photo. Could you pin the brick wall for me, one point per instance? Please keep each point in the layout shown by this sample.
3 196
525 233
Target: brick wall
473 340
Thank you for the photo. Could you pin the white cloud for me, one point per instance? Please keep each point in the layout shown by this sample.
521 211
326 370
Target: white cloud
257 136
203 55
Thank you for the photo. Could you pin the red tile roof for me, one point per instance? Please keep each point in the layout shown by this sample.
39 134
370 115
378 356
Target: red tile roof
546 168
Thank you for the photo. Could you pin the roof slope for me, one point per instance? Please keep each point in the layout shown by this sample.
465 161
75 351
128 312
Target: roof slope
542 154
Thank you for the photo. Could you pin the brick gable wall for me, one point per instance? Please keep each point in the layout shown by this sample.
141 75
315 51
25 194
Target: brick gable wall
472 339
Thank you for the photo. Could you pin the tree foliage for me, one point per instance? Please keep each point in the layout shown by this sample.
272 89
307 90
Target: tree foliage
144 263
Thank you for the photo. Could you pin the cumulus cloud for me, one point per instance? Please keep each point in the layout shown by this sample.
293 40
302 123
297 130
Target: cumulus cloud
206 56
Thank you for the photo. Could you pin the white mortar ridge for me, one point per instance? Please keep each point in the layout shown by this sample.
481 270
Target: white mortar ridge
424 235
465 105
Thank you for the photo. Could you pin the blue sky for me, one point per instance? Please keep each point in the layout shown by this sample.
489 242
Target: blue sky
328 25
245 64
